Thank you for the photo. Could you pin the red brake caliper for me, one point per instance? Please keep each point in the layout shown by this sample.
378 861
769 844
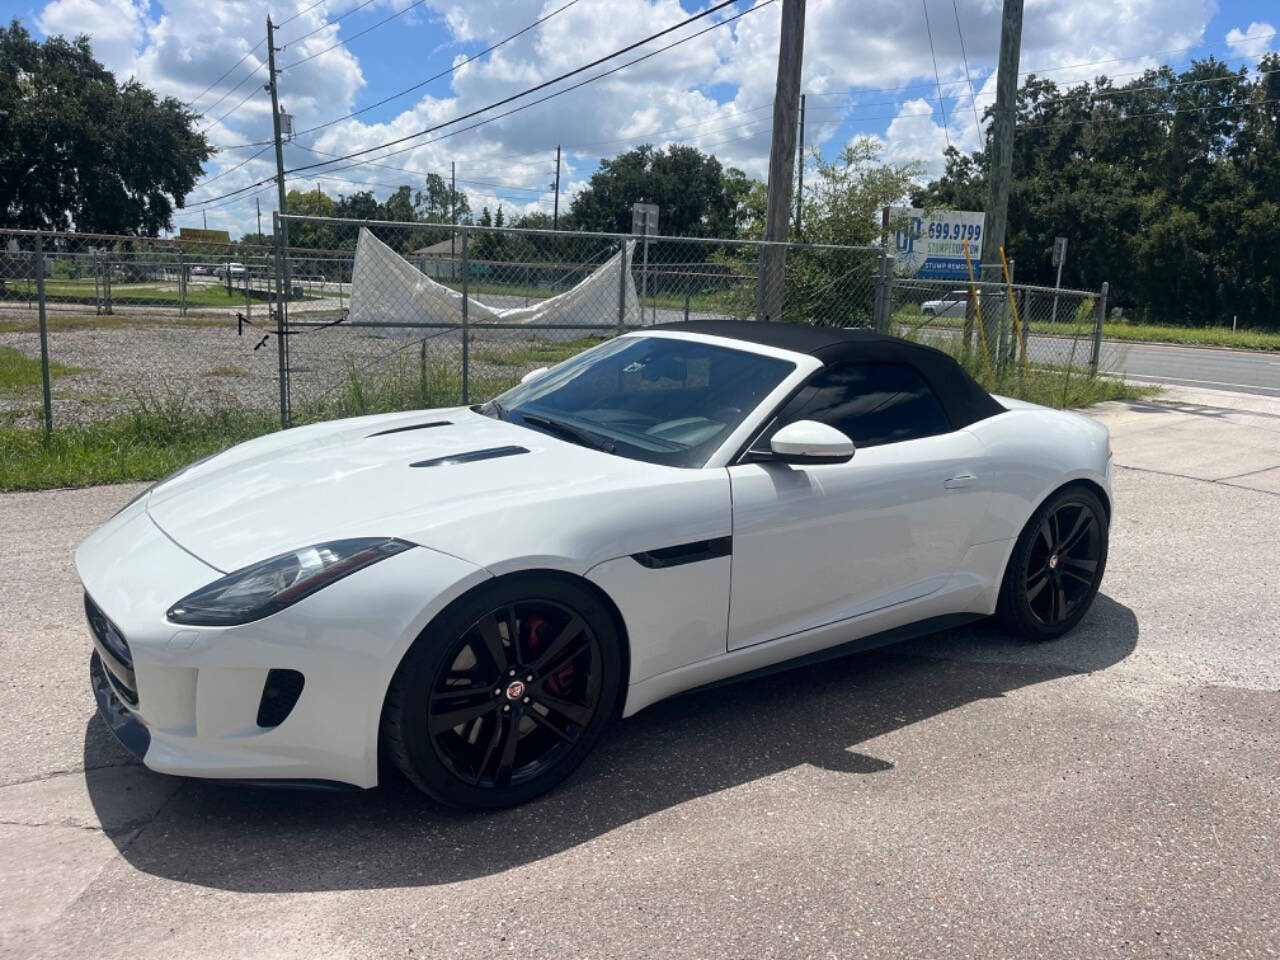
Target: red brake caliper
563 678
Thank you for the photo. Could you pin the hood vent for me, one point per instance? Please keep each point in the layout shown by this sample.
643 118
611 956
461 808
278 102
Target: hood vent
412 426
492 453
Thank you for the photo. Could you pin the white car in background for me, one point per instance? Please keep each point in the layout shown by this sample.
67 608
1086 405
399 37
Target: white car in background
236 271
952 305
475 593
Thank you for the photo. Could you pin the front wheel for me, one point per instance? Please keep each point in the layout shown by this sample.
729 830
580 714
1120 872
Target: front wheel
505 692
1056 566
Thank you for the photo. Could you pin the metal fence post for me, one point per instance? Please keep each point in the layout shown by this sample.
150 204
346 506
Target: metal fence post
880 309
280 320
622 285
182 284
1097 328
466 288
44 338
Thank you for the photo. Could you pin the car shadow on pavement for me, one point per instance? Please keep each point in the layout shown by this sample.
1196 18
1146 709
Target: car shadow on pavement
253 839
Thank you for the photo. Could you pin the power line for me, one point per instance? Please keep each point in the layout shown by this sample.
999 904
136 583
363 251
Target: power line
326 24
442 73
554 80
937 79
354 36
973 100
222 173
557 93
192 101
1065 68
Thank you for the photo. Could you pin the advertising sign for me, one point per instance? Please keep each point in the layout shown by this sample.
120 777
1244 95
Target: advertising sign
931 246
203 236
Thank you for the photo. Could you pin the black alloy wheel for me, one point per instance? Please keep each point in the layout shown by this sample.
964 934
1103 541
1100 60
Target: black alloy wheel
1056 566
512 702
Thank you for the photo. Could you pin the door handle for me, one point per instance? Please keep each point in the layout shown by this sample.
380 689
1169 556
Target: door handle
963 480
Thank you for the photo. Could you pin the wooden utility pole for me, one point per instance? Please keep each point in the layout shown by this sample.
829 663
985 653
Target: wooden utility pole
782 162
453 212
1000 149
257 202
282 234
555 216
800 183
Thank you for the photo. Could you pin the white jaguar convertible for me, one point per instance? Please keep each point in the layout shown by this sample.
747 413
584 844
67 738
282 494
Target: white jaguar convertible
474 593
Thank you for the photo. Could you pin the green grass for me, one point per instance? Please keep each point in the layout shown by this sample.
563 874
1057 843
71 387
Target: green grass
213 295
1193 336
145 445
227 370
19 372
1126 332
538 355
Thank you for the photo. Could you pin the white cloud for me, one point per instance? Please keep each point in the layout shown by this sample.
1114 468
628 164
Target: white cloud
116 27
1254 41
866 63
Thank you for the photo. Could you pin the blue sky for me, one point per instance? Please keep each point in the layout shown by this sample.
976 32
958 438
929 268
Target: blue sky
868 70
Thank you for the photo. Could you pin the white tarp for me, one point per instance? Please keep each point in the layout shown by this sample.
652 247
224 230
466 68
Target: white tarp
387 288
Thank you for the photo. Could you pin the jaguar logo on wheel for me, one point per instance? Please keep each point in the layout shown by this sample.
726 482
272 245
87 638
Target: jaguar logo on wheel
515 690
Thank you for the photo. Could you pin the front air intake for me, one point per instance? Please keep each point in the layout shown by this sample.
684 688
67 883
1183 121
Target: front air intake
279 695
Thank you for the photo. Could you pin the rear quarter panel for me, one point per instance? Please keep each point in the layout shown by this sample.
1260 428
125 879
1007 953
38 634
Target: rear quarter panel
1030 451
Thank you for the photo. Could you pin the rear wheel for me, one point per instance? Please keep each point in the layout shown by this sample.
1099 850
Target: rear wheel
505 692
1056 566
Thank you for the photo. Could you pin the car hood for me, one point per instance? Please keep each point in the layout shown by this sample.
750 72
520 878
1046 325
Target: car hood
448 479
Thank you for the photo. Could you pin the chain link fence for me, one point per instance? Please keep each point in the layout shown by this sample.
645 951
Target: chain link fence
113 325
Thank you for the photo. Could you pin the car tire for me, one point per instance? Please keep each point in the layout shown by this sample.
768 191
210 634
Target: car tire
555 689
1056 566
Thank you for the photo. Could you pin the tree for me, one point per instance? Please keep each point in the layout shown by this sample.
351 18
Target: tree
1168 187
439 202
79 150
695 195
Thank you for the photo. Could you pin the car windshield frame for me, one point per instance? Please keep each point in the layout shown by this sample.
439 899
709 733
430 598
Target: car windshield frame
678 399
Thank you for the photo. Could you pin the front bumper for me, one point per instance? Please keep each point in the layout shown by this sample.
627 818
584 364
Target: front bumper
189 700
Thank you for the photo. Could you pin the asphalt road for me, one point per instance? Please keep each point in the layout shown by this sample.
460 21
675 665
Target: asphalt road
1114 794
1242 371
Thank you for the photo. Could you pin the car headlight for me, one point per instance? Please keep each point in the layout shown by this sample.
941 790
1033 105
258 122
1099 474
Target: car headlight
264 588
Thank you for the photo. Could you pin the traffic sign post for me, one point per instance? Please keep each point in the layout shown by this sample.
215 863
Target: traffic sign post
1059 258
644 222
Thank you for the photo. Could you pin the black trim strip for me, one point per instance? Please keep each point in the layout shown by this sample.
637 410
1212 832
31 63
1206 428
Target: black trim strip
683 553
126 728
490 454
412 426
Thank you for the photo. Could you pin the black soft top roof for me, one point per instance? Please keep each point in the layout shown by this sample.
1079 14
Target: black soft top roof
964 401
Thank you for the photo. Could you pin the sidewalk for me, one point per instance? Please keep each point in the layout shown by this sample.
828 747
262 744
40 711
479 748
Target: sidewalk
1226 438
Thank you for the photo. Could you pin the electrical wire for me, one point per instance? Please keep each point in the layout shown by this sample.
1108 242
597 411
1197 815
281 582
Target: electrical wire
554 80
557 93
937 79
354 36
973 100
442 73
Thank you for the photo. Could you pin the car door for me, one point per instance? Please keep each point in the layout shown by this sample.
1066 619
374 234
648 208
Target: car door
816 544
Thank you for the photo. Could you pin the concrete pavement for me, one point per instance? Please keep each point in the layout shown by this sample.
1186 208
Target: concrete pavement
1113 794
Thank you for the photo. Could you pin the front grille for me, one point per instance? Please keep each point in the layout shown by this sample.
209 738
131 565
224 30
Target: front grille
279 694
119 659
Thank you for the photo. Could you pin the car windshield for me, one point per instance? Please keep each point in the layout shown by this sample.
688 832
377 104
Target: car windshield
659 399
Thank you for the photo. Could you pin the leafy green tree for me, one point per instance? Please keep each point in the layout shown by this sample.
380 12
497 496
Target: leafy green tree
1167 186
439 202
695 195
77 149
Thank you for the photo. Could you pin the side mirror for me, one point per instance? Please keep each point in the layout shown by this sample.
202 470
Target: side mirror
810 442
534 374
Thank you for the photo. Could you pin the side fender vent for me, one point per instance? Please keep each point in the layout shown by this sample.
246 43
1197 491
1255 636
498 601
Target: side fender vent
412 426
492 453
279 695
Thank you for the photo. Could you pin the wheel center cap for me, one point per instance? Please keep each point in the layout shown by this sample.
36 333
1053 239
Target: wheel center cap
515 690
1053 562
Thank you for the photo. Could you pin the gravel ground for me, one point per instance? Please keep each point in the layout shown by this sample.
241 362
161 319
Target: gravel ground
213 362
1114 794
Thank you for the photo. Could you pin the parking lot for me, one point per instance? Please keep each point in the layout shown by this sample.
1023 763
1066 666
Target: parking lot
1116 793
